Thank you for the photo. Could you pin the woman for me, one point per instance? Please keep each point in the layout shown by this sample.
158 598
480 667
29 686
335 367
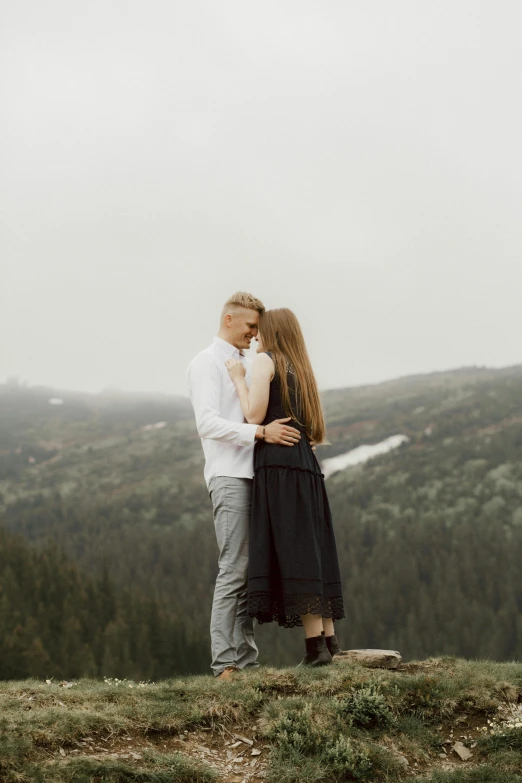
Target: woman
293 574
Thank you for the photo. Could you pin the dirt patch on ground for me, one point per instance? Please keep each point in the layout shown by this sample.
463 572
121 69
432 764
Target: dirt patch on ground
234 755
239 755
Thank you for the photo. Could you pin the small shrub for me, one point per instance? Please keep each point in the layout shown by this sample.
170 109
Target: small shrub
427 696
348 759
366 707
297 729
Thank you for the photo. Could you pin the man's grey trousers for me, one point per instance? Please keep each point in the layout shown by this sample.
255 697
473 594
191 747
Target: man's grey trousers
231 630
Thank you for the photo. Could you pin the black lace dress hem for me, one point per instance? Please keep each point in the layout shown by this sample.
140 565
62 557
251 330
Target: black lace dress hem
287 610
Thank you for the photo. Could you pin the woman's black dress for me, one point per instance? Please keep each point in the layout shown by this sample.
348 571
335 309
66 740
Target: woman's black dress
293 567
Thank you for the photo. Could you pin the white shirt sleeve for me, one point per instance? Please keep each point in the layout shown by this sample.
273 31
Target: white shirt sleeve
204 382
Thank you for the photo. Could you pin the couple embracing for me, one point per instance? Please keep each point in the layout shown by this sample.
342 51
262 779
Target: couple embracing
258 424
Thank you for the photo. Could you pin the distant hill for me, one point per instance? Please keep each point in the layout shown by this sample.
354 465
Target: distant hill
429 536
29 414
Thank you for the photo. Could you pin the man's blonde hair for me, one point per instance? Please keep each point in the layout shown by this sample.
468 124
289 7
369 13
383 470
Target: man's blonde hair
242 299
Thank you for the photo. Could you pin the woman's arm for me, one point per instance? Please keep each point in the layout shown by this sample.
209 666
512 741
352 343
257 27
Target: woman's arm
204 381
254 401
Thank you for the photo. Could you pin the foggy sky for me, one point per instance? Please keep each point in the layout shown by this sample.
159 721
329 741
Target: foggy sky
359 162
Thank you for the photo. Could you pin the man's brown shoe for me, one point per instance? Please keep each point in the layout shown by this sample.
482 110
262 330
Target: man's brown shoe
228 673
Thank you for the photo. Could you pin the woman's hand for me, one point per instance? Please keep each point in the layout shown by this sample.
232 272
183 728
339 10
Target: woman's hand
236 369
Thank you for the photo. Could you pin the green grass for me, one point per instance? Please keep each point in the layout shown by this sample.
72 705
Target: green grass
164 769
340 723
483 774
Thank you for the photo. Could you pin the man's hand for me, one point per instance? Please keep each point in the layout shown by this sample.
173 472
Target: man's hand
278 432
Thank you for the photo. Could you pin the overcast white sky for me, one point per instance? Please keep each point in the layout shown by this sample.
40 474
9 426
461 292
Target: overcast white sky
357 161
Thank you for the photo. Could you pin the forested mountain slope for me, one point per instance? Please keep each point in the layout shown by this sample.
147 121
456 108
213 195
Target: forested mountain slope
56 620
429 536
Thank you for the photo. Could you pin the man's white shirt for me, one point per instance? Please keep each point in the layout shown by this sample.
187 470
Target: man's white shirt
228 443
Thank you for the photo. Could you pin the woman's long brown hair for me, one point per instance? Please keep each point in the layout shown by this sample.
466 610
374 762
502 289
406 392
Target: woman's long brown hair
282 336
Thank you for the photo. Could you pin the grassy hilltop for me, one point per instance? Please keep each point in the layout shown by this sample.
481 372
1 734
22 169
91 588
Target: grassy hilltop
339 723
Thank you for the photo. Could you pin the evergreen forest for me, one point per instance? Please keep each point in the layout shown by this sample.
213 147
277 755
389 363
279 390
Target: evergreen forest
107 547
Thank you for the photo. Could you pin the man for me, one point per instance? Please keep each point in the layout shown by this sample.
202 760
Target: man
228 445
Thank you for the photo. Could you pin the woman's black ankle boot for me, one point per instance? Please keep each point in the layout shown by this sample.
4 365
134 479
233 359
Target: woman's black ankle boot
333 645
317 653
